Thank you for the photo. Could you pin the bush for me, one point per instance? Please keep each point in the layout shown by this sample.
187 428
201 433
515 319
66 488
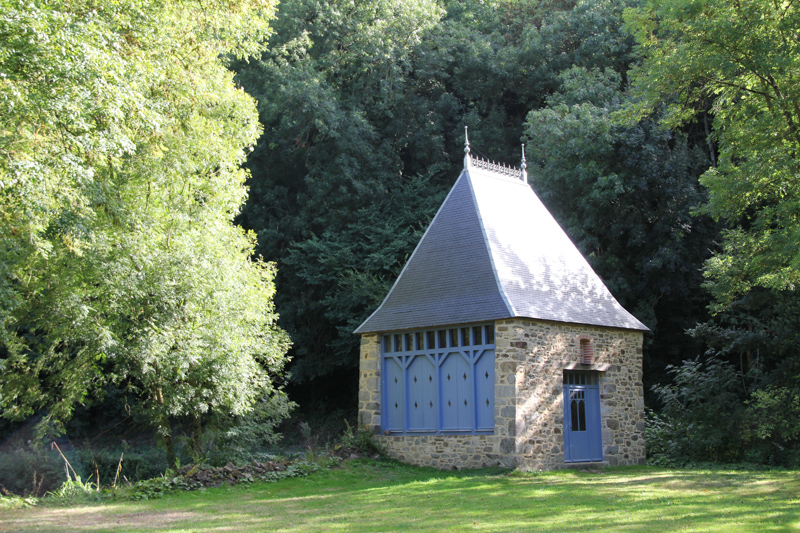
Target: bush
662 448
142 463
26 471
701 417
772 426
242 439
707 417
357 441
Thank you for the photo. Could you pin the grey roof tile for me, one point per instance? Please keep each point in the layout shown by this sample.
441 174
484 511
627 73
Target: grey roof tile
493 251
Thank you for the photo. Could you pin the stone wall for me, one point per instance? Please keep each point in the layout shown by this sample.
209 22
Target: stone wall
541 352
369 383
530 359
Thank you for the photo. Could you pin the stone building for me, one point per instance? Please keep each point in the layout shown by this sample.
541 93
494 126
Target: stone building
498 345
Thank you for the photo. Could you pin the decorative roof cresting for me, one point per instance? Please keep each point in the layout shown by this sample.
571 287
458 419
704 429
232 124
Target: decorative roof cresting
500 168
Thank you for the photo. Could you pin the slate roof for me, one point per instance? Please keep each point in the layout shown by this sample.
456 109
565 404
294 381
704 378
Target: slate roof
493 251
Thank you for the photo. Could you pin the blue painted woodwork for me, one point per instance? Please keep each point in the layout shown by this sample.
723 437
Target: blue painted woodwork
484 391
457 396
582 434
439 381
394 394
423 401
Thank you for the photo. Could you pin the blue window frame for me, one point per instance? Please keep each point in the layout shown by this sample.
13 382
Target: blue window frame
439 380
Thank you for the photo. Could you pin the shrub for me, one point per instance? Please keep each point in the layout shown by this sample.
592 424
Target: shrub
663 449
27 471
249 437
141 463
358 441
702 413
772 426
706 416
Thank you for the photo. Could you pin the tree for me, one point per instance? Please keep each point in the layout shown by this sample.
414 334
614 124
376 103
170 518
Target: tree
744 57
740 63
625 195
121 138
344 177
364 106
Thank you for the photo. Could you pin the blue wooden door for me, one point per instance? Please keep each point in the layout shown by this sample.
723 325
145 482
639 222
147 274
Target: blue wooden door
582 437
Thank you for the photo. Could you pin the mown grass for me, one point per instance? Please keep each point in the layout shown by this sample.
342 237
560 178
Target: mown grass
369 495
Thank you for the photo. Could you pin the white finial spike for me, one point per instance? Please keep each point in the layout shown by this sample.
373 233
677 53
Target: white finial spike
523 167
466 149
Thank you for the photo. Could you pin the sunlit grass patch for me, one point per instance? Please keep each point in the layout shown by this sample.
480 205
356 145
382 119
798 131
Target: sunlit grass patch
368 495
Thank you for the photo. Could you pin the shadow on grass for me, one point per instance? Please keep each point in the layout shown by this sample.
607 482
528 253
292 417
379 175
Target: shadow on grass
387 496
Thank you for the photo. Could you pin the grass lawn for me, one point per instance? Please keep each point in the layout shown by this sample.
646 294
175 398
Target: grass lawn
367 495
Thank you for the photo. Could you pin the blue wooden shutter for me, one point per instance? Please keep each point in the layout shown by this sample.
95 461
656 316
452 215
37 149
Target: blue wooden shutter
484 392
455 377
438 381
394 396
422 405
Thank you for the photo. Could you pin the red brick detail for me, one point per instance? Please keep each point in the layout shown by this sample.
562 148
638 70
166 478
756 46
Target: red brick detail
587 349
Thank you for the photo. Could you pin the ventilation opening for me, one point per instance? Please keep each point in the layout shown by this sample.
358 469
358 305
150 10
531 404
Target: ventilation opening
587 351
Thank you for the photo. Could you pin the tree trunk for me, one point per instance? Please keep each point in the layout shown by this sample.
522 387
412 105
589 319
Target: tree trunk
197 433
165 429
708 140
169 445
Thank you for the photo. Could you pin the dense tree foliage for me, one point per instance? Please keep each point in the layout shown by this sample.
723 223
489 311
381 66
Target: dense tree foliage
121 139
740 61
364 106
650 125
745 57
625 194
331 197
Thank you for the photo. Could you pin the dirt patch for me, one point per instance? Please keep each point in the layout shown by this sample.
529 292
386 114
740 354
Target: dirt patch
87 518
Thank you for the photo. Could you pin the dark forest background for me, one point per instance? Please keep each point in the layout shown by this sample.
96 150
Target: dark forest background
364 106
661 134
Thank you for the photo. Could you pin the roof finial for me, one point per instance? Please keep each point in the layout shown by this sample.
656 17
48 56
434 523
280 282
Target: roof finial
523 167
466 149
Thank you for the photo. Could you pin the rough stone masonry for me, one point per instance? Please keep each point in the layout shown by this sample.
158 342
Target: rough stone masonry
530 359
